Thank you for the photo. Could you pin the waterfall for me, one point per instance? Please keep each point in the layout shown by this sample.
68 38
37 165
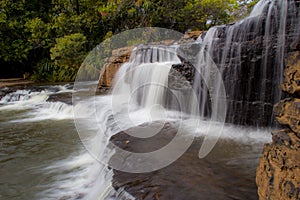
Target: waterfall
245 59
250 57
143 81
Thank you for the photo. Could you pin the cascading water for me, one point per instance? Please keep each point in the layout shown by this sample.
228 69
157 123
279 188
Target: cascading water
144 78
250 56
146 90
240 55
138 96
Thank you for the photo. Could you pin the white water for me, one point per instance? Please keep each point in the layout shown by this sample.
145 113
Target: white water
254 83
81 175
138 97
37 104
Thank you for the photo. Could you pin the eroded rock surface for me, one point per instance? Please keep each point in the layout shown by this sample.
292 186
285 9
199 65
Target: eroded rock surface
291 83
287 113
278 174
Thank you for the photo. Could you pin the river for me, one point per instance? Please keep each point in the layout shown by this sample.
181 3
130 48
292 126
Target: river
42 156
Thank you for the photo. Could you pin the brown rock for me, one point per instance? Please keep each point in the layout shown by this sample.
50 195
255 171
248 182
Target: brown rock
287 113
112 64
278 173
190 37
192 34
291 83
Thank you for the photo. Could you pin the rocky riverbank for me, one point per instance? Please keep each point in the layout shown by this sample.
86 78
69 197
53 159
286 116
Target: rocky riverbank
14 82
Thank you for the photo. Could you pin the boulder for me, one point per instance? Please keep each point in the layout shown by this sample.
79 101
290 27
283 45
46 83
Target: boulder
278 173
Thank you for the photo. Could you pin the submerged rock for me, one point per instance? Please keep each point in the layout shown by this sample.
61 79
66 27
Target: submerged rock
226 173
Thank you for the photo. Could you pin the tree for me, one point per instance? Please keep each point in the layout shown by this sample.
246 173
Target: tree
68 54
33 32
14 47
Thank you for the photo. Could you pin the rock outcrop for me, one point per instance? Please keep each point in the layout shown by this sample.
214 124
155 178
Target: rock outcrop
220 175
112 64
287 113
190 37
278 174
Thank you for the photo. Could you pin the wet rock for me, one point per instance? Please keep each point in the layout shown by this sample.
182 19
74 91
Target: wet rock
278 173
188 53
181 75
189 177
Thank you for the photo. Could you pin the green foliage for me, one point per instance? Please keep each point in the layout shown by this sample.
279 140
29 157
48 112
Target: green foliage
47 71
68 53
43 71
32 32
39 33
14 46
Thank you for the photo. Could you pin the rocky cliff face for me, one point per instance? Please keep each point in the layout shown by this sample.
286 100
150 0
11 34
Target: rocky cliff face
278 174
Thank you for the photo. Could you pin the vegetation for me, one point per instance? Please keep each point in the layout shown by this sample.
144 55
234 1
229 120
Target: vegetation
49 39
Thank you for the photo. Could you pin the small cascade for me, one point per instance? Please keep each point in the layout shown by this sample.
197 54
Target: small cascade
36 102
23 99
143 80
19 95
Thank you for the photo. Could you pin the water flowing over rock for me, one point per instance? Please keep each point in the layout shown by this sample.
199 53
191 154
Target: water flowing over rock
248 59
144 78
116 60
249 55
